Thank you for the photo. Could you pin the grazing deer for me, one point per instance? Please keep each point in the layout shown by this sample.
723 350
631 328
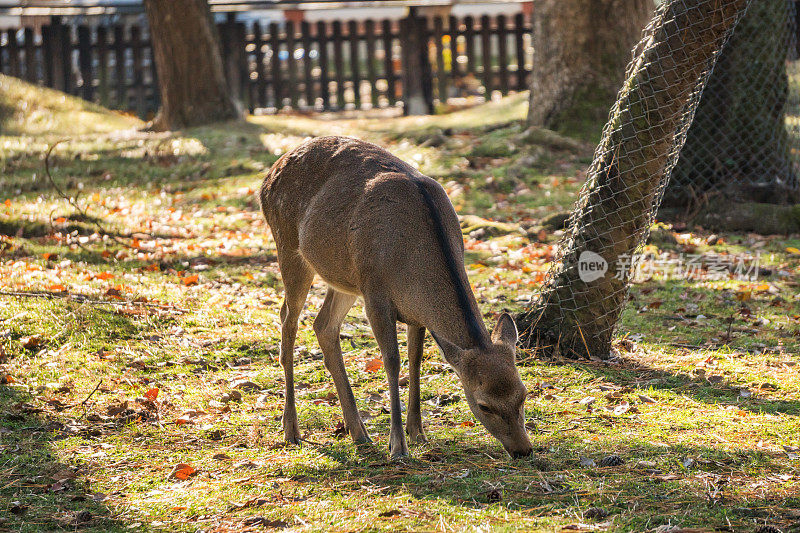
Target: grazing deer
370 225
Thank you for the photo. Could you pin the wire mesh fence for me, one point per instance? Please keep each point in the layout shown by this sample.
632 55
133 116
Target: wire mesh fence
586 289
744 143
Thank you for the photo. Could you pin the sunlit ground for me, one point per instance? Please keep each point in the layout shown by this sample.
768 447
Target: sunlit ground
141 389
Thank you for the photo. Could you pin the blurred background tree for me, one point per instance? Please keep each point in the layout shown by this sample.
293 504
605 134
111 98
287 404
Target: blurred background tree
191 77
581 49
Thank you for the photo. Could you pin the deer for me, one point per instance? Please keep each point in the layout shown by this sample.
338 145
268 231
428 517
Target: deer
372 226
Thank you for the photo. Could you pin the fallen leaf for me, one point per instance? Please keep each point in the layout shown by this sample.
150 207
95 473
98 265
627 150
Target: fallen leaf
151 394
374 365
182 471
31 343
190 280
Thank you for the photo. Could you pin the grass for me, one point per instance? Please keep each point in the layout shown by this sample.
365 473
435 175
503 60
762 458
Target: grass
130 362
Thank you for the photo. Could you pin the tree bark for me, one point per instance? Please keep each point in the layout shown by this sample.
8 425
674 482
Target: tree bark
191 77
581 48
417 75
616 206
738 141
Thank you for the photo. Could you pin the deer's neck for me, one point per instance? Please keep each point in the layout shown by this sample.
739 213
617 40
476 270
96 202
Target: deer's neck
464 329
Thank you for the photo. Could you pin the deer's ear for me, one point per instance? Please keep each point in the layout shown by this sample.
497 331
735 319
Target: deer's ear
505 331
451 352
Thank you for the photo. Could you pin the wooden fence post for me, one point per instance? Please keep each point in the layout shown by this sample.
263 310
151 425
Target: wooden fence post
13 53
31 71
102 64
486 56
85 61
291 64
388 62
275 65
324 64
338 63
305 32
355 71
369 33
120 75
417 76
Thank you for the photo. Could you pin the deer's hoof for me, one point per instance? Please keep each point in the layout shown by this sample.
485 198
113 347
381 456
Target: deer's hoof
291 433
416 435
400 455
363 439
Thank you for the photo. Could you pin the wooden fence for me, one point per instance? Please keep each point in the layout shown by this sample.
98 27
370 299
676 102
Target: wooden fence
327 65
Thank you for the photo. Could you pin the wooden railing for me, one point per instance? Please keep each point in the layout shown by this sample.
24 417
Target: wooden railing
327 65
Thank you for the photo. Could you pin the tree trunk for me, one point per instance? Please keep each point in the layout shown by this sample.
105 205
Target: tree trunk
581 303
417 75
191 78
581 48
738 141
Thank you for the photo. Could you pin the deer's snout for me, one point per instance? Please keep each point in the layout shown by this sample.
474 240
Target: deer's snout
519 454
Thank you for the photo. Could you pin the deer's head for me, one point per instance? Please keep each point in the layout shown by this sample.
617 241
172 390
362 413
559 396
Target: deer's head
494 391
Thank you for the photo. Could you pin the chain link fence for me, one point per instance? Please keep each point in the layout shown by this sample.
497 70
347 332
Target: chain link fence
744 143
586 289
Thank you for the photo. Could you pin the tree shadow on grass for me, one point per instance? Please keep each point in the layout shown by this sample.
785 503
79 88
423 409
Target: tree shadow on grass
554 482
38 492
630 372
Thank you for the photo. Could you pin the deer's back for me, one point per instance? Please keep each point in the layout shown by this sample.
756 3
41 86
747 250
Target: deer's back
355 213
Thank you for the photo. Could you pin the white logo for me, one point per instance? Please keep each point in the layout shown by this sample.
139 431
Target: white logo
591 266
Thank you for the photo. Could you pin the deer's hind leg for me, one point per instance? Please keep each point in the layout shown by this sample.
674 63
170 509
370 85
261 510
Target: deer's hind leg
327 326
416 338
297 278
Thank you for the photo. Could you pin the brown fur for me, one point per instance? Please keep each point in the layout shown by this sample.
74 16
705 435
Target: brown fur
356 215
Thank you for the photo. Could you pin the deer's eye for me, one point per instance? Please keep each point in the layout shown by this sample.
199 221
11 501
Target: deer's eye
485 408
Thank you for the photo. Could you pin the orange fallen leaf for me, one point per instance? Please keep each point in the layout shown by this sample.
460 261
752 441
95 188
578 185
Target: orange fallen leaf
56 287
104 275
152 394
374 365
743 296
182 471
154 267
7 203
190 280
467 424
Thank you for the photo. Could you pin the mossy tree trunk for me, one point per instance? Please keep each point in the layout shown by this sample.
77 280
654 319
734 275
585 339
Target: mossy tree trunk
738 141
191 79
612 217
581 48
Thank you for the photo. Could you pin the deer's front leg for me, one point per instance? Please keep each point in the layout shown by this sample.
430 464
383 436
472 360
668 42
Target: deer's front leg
416 336
382 318
326 326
